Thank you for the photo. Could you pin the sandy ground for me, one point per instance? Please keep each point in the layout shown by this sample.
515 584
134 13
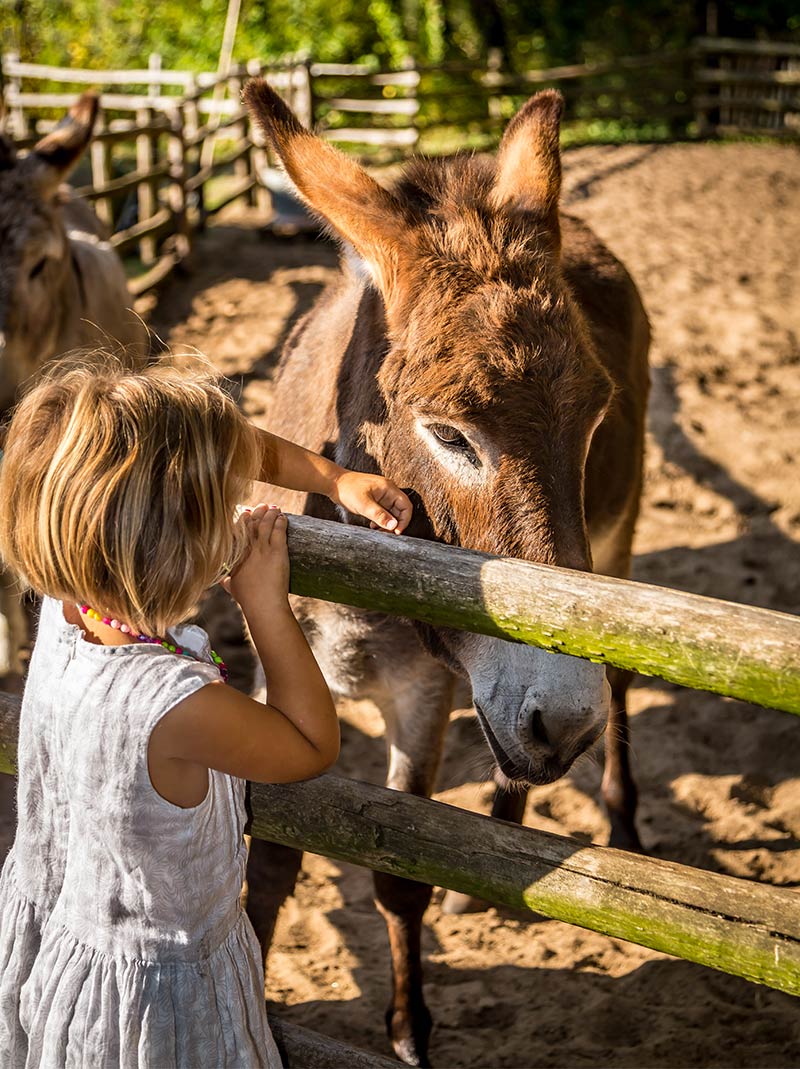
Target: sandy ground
709 233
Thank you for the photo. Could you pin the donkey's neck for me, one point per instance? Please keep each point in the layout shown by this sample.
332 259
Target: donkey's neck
360 404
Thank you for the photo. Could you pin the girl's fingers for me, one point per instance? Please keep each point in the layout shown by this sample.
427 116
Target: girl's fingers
266 524
279 531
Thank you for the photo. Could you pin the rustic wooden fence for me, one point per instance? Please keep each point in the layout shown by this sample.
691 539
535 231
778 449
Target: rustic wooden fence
180 146
746 87
737 926
155 155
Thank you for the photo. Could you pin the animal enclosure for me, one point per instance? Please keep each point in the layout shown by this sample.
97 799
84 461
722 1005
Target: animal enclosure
298 280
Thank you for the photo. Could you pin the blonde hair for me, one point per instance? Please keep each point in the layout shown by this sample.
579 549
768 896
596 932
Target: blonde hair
119 487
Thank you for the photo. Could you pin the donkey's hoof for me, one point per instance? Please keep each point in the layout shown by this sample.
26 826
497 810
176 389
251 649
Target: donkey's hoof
409 1035
455 903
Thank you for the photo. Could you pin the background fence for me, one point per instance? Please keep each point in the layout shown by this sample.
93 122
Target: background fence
173 147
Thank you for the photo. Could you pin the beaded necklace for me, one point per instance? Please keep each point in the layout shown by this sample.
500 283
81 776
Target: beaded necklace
153 640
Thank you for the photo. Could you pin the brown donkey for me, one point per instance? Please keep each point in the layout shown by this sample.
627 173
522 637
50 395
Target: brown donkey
492 355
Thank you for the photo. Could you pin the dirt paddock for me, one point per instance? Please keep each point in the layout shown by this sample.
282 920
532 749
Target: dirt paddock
710 234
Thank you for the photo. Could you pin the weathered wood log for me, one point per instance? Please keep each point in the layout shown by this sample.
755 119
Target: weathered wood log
736 650
301 1048
739 927
404 136
742 46
157 273
700 642
156 224
733 925
132 180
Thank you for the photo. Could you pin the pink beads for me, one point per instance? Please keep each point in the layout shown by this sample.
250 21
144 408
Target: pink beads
171 647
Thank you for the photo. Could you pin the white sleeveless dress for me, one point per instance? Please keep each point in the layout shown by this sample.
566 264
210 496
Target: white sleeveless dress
122 940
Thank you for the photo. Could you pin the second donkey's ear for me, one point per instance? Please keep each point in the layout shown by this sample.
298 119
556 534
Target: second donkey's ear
359 209
52 158
529 160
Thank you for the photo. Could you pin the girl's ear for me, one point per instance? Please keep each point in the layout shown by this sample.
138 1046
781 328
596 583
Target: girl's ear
359 209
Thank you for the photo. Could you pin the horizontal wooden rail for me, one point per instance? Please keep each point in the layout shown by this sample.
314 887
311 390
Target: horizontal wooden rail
242 148
749 104
300 1048
399 106
76 75
125 181
156 274
155 224
123 101
13 68
744 47
737 926
404 136
238 189
700 642
725 77
591 70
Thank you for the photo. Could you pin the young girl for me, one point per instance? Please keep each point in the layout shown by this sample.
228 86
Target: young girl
122 940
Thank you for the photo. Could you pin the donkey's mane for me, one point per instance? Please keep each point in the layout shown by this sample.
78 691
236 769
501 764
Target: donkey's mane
435 185
466 236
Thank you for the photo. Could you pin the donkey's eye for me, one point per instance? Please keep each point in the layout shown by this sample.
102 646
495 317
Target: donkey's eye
454 440
449 436
38 267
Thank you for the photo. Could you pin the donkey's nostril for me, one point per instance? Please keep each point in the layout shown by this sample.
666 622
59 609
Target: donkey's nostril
537 728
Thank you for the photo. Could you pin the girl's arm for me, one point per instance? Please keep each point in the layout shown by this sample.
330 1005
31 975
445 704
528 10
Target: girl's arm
285 464
296 735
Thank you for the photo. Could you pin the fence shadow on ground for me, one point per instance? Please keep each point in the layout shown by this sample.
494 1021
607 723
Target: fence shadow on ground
554 1016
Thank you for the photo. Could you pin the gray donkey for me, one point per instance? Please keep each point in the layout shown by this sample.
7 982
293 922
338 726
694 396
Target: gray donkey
62 287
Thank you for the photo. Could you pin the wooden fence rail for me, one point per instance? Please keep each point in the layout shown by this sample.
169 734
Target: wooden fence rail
733 925
705 643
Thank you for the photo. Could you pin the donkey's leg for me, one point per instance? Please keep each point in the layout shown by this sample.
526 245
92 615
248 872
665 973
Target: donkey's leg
506 805
416 720
271 868
619 788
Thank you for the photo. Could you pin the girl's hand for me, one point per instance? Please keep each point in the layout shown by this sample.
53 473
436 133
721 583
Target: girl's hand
262 574
377 499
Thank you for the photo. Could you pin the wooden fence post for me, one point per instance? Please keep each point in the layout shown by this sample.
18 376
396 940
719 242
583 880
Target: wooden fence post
101 169
146 191
176 157
302 93
242 166
410 64
699 90
492 79
154 64
258 153
19 122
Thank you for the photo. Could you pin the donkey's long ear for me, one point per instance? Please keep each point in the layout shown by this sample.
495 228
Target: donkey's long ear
333 186
55 155
529 161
